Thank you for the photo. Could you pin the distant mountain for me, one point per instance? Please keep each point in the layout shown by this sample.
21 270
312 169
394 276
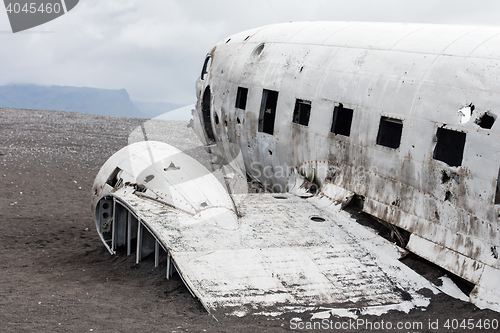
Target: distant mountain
63 98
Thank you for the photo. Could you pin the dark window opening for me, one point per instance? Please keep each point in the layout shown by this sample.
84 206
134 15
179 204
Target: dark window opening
268 111
241 98
449 147
206 66
497 194
205 110
342 120
486 120
302 112
113 178
389 132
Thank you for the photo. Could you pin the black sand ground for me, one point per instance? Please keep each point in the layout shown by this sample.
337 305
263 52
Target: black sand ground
55 274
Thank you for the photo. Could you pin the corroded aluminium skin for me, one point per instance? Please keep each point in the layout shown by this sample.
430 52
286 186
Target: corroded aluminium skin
429 78
151 198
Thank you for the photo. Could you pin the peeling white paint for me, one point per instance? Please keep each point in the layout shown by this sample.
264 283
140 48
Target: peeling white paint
437 180
354 313
274 256
450 288
465 114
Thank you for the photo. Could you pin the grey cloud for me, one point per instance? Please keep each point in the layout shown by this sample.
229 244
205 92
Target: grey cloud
155 48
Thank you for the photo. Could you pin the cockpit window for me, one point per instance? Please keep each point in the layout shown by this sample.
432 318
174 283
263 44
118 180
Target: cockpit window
206 110
206 66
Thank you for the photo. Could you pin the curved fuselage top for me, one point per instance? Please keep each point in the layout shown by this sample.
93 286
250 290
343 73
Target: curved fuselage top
404 115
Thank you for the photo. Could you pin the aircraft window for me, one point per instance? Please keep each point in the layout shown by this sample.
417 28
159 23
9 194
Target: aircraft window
113 178
486 120
241 98
342 120
206 66
268 111
302 112
449 147
389 132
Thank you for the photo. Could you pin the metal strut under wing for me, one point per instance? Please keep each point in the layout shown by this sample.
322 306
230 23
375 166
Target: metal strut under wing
283 252
119 226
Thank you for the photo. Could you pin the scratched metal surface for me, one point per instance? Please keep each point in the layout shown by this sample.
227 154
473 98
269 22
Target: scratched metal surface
279 258
427 76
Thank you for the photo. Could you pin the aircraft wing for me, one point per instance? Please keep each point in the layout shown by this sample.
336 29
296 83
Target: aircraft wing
284 253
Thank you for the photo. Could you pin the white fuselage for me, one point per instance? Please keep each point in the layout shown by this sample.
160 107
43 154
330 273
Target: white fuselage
403 115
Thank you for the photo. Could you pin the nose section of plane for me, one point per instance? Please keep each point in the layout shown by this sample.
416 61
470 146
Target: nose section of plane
165 174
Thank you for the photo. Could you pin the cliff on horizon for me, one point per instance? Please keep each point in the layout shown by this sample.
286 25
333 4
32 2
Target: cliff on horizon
64 98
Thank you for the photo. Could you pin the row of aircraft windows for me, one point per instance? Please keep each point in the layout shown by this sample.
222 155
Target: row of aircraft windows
449 147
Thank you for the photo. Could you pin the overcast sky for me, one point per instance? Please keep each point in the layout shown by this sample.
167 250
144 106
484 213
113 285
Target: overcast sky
155 48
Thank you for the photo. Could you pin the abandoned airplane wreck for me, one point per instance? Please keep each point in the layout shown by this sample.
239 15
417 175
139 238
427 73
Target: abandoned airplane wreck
402 117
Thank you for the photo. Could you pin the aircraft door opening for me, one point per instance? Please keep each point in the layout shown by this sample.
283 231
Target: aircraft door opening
268 111
207 119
